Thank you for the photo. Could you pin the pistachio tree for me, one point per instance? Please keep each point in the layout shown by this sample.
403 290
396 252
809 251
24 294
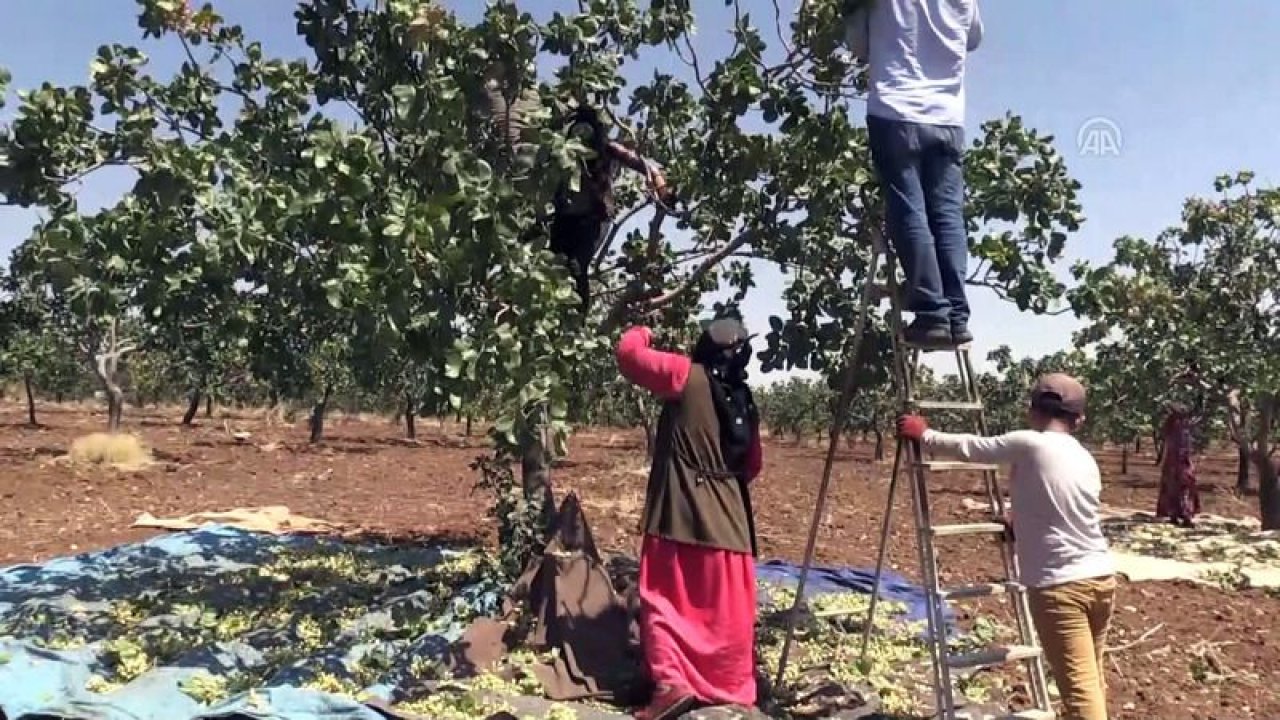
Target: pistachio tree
1196 312
366 197
34 347
1122 398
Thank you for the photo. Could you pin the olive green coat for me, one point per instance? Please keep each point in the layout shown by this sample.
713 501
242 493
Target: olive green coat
692 497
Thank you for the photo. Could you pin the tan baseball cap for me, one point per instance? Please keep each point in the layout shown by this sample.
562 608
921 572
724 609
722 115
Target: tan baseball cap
1060 391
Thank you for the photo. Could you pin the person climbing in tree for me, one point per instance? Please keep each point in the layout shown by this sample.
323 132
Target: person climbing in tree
1179 500
583 214
916 52
1063 557
697 569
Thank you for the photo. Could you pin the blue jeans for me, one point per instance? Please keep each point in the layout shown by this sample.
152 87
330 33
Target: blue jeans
922 176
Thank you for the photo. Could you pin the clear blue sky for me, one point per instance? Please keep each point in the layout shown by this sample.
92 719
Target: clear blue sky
1192 86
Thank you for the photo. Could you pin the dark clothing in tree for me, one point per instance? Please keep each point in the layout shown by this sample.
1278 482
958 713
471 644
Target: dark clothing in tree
577 238
583 214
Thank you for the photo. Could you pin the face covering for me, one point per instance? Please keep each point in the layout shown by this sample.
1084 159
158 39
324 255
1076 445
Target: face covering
724 350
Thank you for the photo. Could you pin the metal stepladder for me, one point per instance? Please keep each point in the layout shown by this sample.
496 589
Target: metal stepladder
944 663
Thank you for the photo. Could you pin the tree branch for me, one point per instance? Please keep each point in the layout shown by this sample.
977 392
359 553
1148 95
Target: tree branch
694 277
82 174
631 297
692 62
613 234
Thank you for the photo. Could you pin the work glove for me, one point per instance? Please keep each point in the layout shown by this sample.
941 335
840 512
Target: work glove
912 427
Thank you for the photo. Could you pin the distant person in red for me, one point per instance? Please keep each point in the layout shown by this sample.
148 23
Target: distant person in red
1179 497
697 563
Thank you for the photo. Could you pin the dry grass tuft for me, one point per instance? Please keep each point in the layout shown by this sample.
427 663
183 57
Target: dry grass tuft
113 449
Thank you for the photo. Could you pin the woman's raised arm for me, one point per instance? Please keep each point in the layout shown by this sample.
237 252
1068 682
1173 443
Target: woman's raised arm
662 373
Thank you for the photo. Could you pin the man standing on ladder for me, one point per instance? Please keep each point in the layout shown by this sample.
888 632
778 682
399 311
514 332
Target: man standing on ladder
916 51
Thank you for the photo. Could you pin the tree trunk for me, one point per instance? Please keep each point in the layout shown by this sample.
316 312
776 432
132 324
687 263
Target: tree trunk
115 410
1137 446
535 475
1124 459
58 397
273 398
879 445
469 419
649 439
106 356
208 406
317 417
193 406
1268 485
31 400
1244 481
410 413
1268 490
1238 427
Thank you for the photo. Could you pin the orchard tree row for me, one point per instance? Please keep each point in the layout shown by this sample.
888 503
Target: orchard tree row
37 363
801 409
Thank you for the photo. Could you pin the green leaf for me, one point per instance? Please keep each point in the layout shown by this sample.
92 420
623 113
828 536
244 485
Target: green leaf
559 409
453 364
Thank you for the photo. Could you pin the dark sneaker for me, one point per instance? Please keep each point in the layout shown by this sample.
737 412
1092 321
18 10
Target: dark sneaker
928 335
961 335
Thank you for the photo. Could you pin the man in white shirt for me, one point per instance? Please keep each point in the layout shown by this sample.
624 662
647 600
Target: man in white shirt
1063 556
916 51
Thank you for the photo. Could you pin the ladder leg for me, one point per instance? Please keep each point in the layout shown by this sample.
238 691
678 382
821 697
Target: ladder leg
837 426
936 623
906 364
1038 679
885 526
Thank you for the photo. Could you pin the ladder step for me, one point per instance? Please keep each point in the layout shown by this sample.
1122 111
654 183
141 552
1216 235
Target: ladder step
927 347
956 466
992 657
947 405
971 592
970 529
1030 715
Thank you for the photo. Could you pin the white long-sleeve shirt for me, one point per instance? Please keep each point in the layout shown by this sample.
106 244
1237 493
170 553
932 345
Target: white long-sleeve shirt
916 51
1054 485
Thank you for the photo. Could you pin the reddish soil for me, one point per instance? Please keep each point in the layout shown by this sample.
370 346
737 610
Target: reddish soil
1185 651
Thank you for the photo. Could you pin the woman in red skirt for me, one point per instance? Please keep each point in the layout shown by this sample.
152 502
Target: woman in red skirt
1179 497
697 563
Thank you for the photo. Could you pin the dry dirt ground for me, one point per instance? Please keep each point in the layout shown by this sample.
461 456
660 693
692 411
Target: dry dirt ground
1183 650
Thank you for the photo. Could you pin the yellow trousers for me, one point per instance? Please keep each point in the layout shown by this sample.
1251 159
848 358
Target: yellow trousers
1072 620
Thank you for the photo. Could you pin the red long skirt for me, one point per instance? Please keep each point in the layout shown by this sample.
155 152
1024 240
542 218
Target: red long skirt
698 616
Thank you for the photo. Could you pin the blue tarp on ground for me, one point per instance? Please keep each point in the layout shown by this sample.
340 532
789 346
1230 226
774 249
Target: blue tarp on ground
226 603
288 616
893 587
